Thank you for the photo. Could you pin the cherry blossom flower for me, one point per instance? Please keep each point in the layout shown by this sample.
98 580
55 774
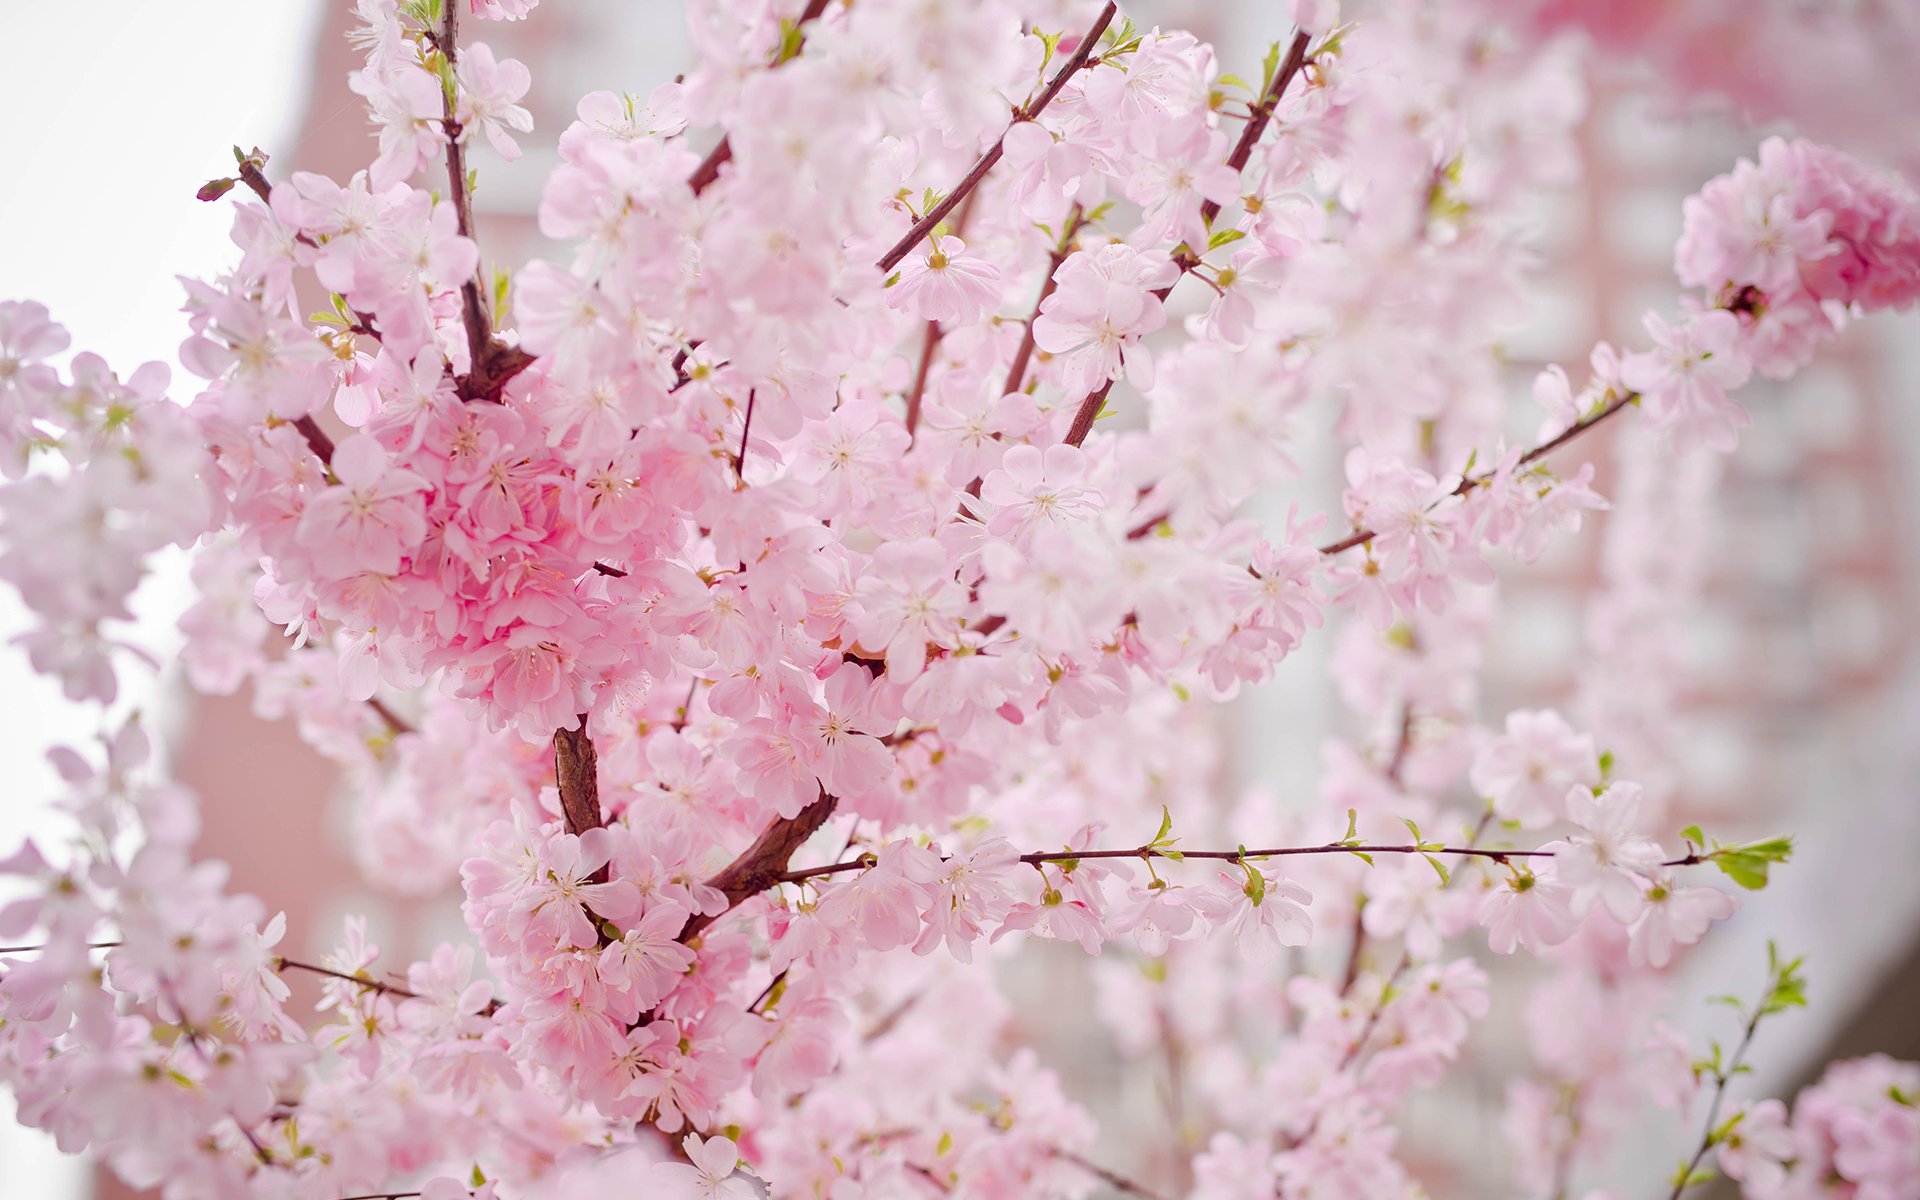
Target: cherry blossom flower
1528 911
1675 915
490 92
946 284
1032 488
1684 383
1527 771
1261 913
709 1176
1758 1145
1102 303
1608 862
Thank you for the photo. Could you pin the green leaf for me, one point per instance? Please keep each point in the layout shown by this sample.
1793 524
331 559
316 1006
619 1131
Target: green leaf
1175 855
1747 865
479 1180
1256 888
1353 826
1052 43
1440 869
1719 1134
1788 988
1268 66
1222 237
1693 834
945 1144
1411 828
791 39
1166 826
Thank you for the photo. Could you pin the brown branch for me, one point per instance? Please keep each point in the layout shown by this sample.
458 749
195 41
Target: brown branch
255 179
317 440
746 427
1188 258
1087 414
978 171
576 769
1113 1179
764 863
474 314
1735 1065
395 722
371 985
1361 537
1238 855
928 344
1017 371
709 168
491 363
1262 113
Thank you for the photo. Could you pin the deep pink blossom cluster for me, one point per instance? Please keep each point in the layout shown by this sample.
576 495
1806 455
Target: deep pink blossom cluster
805 590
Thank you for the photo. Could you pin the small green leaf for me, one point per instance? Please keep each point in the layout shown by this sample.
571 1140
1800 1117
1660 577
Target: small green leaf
1353 826
945 1144
1693 834
1439 868
1222 237
1256 888
1166 826
1747 865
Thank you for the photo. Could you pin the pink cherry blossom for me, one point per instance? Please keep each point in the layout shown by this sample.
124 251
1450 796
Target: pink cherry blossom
946 283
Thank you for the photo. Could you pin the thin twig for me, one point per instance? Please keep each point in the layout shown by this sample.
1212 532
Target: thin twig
372 985
709 168
1017 370
746 427
1189 258
395 722
1362 536
1734 1065
478 324
1113 1179
1237 855
978 171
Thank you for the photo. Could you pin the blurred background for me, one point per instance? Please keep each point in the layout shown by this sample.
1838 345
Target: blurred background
1802 704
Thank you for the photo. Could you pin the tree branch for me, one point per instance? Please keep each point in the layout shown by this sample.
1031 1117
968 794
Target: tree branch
1362 536
978 171
1017 370
576 769
746 427
491 362
1113 1179
1188 258
371 985
764 863
395 722
709 168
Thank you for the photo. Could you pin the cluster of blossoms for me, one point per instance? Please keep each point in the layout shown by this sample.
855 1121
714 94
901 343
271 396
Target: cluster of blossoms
1858 1128
751 614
